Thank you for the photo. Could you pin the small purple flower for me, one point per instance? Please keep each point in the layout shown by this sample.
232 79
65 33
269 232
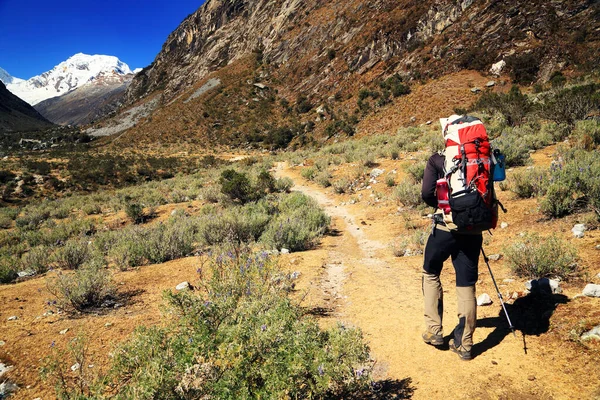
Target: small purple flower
359 372
263 328
321 370
190 340
53 344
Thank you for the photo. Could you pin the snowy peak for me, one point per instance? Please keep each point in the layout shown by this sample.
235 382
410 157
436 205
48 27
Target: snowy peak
6 78
75 72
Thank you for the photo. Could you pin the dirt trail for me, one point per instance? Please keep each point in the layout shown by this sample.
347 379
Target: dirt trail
381 294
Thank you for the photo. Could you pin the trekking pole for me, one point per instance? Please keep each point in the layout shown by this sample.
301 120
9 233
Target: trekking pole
487 261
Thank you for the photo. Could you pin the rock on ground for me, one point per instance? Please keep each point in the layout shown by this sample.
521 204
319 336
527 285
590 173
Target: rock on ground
594 334
591 290
183 286
484 300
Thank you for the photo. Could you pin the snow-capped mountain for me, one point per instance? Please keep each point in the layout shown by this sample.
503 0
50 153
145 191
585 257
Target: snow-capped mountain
69 75
6 78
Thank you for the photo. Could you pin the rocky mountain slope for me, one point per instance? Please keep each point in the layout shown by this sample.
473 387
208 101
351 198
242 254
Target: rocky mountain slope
75 72
83 105
296 69
18 116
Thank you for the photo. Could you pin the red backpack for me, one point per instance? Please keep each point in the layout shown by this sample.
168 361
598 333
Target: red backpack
469 172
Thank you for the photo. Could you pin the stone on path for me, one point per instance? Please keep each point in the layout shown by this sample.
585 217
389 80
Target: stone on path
484 300
495 257
594 334
591 290
578 231
13 318
183 286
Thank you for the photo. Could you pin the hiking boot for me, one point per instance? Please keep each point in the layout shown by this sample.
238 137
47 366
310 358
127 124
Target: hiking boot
464 355
433 339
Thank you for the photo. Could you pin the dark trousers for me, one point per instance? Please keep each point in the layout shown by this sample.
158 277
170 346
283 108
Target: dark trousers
464 250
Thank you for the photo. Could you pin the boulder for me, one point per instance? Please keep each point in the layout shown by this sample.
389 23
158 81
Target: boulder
484 300
490 84
475 90
497 68
591 290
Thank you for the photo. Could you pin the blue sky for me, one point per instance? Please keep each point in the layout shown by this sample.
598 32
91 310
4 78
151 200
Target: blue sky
36 35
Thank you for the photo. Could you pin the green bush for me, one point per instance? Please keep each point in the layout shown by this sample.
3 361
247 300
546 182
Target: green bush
408 194
135 212
570 105
587 134
241 337
32 219
169 241
534 256
92 209
5 222
323 178
514 105
298 226
513 147
73 254
529 183
85 288
235 185
309 173
284 185
574 184
37 260
416 171
8 270
341 185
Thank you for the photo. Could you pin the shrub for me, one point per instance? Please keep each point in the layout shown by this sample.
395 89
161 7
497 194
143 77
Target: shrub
265 183
240 338
8 270
212 194
514 105
570 105
416 171
235 185
32 219
411 245
529 183
299 225
85 288
341 185
523 67
169 241
5 222
309 173
390 181
73 254
37 260
323 178
533 256
513 147
92 209
574 184
587 134
408 194
284 185
135 212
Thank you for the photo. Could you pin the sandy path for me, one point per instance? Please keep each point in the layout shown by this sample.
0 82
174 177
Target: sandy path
382 295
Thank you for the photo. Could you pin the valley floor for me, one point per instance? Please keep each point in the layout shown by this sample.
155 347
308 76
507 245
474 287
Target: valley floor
354 278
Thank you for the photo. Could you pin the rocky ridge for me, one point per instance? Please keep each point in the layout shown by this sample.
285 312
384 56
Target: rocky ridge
319 48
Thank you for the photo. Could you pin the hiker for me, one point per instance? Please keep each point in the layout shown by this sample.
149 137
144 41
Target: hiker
446 240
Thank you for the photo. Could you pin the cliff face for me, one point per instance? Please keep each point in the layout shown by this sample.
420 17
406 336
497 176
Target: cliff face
319 46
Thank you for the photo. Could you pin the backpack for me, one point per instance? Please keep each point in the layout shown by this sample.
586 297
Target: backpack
469 171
